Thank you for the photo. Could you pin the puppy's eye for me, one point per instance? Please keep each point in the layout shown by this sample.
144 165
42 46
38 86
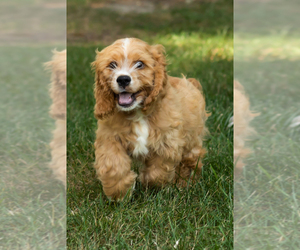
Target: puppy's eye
139 65
112 65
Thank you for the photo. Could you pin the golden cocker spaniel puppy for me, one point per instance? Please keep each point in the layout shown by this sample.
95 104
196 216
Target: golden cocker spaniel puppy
143 113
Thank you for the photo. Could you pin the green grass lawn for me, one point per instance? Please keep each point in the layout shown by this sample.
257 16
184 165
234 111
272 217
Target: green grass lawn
199 216
267 61
32 203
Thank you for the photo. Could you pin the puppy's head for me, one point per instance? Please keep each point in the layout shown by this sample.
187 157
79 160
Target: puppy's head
130 74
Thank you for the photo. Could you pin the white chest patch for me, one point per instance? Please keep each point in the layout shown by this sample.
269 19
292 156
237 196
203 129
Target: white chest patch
141 129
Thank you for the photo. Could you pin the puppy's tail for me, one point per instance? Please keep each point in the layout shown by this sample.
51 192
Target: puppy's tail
195 83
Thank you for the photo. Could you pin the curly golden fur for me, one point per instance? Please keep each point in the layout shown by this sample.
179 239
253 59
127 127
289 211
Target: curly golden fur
58 112
143 113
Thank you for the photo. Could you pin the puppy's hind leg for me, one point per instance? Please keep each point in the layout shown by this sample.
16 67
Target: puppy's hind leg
158 171
190 167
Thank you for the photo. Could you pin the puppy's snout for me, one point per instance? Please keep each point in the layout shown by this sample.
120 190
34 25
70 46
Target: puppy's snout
123 81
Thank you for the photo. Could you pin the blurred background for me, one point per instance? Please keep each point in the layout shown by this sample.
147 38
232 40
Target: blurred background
105 21
266 63
32 202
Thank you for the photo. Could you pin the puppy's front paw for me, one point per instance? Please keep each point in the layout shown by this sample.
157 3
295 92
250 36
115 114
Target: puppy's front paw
126 197
116 191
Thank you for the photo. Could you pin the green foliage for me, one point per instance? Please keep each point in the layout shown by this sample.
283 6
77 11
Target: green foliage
91 25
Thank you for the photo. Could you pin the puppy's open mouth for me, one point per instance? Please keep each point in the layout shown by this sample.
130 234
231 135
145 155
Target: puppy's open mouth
126 99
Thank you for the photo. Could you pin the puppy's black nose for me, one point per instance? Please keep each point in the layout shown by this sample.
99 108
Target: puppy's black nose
123 81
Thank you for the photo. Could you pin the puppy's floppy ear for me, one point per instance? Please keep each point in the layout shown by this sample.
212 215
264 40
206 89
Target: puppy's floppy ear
105 102
160 75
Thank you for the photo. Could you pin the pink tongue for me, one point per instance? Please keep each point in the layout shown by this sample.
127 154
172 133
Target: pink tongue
125 98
